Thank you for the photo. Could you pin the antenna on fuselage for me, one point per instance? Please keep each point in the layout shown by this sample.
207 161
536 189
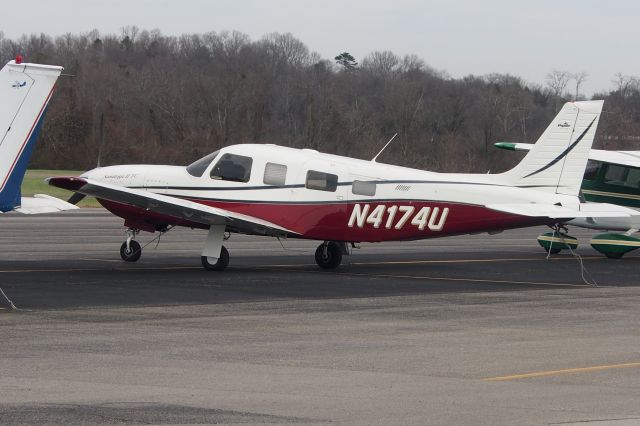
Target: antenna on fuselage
373 160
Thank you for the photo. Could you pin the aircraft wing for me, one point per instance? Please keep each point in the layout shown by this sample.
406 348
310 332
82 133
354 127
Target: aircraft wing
41 203
595 210
623 158
167 205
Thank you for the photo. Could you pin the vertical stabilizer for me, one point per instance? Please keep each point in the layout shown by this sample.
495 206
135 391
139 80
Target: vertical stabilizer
557 161
25 90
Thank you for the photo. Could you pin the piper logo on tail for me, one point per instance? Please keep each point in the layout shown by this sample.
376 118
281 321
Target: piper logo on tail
18 84
396 217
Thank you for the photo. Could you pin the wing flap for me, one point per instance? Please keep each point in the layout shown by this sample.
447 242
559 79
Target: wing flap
167 205
595 210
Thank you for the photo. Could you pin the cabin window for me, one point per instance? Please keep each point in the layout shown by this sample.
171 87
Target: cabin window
198 167
622 176
321 181
232 167
360 187
275 174
593 167
614 175
633 178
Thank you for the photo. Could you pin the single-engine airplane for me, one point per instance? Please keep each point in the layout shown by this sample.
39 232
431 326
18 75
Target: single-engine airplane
610 177
25 90
301 193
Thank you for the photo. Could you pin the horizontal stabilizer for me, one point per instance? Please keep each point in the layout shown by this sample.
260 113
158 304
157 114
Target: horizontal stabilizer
552 211
41 203
623 158
171 206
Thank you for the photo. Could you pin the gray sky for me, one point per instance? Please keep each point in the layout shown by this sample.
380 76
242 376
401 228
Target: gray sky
523 38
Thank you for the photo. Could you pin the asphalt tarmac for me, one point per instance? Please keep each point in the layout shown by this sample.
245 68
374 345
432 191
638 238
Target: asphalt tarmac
480 330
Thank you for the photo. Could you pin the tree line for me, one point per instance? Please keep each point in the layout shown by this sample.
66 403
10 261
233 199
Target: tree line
145 97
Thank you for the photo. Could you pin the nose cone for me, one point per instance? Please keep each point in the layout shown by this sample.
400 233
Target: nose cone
90 174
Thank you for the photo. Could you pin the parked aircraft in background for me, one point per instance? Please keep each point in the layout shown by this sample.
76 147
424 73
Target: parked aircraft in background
610 177
300 193
25 90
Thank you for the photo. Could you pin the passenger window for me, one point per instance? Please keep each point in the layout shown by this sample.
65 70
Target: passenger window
275 174
360 187
236 168
593 167
321 181
633 178
614 175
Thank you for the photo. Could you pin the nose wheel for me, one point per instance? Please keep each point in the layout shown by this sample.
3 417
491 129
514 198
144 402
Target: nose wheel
130 250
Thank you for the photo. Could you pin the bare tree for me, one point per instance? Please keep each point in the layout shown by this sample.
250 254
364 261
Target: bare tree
557 81
382 64
579 78
625 84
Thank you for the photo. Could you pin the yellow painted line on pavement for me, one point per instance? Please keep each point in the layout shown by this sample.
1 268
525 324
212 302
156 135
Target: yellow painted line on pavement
90 259
418 262
564 371
421 262
301 265
428 278
478 280
159 268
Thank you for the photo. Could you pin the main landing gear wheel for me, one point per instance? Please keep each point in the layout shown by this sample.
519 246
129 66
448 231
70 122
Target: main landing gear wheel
329 255
132 252
221 263
611 255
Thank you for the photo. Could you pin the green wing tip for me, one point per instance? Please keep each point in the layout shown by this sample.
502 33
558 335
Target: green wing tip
505 145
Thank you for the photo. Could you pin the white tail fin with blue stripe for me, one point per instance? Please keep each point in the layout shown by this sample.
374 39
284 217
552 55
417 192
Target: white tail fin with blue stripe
25 90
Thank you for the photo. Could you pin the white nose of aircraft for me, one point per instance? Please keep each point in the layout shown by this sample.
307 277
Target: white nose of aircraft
129 176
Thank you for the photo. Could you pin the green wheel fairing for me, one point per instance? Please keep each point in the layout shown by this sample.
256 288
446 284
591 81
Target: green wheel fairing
614 245
554 242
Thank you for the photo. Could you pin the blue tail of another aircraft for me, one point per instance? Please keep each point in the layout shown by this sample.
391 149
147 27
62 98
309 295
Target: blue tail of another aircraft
25 90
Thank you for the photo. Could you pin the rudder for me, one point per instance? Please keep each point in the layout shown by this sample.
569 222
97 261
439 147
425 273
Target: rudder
25 90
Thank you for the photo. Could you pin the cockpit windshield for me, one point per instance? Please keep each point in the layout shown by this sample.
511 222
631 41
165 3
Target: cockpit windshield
198 167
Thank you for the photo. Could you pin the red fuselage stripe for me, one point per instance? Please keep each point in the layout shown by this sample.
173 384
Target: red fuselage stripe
330 221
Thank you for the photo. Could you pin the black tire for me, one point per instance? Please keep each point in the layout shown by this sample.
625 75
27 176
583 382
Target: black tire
614 255
333 256
221 263
133 253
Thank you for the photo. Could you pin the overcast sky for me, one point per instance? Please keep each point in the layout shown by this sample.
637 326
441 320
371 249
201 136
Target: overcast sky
523 38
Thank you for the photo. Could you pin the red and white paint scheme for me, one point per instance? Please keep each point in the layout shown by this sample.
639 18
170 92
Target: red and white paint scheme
300 193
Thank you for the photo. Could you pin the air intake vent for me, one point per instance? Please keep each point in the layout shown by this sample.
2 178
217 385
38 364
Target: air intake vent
403 187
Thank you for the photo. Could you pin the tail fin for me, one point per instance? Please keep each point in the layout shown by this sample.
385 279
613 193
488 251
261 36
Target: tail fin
557 161
25 90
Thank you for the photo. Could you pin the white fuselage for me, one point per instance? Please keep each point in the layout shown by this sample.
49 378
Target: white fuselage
416 204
